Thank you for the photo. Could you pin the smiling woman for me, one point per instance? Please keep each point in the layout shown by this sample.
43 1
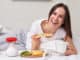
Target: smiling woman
58 25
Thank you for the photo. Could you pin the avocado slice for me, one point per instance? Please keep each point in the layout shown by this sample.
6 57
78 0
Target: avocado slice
25 53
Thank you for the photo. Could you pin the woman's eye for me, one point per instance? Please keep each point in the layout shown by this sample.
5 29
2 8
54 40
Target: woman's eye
60 16
54 13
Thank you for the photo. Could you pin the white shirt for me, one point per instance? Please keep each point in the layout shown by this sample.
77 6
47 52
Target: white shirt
36 29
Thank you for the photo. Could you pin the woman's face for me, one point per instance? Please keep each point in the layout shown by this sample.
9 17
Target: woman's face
57 17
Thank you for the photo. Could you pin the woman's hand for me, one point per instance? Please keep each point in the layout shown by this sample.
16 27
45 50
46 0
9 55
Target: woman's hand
36 37
36 42
70 48
70 52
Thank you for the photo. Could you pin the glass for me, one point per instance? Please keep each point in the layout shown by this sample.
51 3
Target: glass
21 39
11 50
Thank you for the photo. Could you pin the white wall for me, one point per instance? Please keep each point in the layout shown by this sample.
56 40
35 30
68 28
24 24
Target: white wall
20 14
75 15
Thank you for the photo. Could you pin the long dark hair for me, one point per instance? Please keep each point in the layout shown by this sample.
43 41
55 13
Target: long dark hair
67 20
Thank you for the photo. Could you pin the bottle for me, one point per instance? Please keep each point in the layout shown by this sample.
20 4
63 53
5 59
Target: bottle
11 51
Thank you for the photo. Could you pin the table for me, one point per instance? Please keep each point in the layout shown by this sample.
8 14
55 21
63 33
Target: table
3 56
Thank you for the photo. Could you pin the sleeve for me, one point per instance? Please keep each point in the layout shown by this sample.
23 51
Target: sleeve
33 30
60 34
34 27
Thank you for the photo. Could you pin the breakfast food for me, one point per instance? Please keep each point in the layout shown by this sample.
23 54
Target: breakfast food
25 53
45 34
37 53
36 36
33 53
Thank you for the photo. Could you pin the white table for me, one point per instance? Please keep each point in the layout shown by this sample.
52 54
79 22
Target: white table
72 57
17 58
3 56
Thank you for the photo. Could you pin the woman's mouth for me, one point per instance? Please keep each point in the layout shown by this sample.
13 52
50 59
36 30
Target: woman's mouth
54 23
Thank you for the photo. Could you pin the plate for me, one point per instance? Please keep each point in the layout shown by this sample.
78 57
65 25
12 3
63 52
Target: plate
31 54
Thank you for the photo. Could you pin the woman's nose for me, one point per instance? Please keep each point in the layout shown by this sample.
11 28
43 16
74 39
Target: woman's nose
56 17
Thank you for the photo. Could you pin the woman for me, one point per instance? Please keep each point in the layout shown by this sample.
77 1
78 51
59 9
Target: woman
57 26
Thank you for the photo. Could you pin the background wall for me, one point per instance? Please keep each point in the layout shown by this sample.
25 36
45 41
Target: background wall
18 14
75 15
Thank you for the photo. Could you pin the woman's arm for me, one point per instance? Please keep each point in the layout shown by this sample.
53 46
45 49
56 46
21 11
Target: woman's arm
70 49
33 30
35 42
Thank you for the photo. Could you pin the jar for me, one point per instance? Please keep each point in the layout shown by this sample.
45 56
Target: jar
11 50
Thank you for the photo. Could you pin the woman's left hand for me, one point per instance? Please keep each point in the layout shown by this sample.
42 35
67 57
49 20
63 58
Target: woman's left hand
69 52
70 48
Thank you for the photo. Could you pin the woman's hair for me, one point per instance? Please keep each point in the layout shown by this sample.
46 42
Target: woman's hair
67 20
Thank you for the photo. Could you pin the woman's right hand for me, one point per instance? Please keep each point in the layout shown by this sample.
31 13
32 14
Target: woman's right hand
36 37
36 42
